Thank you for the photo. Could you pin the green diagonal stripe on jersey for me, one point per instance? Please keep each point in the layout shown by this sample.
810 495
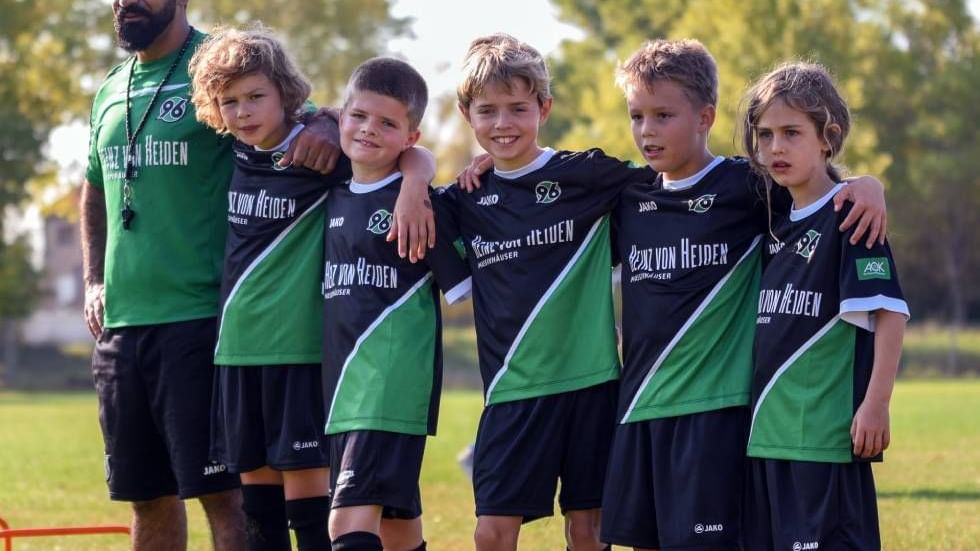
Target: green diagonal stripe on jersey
568 342
804 413
708 363
395 353
246 322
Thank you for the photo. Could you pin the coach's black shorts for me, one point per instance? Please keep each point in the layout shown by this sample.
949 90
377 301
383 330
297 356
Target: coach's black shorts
803 505
523 448
372 467
268 416
154 387
677 482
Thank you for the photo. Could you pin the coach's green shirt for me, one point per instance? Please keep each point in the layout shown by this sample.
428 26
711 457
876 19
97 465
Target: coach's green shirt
167 266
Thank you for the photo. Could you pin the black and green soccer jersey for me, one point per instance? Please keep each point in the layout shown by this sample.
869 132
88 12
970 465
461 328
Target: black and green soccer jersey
814 342
382 361
690 253
271 310
537 242
167 266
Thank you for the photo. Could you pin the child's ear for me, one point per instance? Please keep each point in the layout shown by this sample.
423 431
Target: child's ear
545 111
413 138
833 129
707 117
465 111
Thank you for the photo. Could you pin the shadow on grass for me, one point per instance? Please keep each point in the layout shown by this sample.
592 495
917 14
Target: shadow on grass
932 494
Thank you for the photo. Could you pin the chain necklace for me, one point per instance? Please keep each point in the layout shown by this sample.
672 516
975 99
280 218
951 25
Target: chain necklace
127 212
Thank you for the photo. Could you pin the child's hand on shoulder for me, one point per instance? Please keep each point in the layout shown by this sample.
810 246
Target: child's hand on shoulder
870 431
469 178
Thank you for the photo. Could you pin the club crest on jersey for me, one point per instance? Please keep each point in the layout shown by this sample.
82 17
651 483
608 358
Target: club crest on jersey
547 192
808 244
380 222
276 157
701 204
873 268
173 109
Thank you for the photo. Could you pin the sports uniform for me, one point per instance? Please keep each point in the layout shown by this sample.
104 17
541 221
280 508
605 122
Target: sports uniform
537 242
382 362
813 358
690 252
267 407
152 365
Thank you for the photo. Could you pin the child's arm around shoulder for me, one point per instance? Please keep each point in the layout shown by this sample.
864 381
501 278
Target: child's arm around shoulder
413 223
868 195
870 430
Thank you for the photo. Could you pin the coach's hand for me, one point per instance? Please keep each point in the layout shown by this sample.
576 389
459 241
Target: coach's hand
317 147
95 308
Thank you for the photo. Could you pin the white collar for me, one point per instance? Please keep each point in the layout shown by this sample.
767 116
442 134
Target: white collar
537 163
289 139
690 181
796 215
358 187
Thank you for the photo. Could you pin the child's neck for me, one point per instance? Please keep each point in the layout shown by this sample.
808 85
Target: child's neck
806 194
691 167
510 165
367 174
277 137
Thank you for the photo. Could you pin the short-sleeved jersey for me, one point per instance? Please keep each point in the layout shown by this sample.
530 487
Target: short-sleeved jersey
814 346
690 277
537 242
382 361
167 266
271 310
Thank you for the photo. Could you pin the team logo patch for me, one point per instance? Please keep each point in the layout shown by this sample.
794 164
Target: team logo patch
345 478
807 244
873 268
276 157
546 192
380 222
701 204
173 109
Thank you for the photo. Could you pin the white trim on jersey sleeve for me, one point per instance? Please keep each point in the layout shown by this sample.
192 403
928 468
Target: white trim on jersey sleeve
289 139
537 163
796 215
360 188
690 181
858 311
460 292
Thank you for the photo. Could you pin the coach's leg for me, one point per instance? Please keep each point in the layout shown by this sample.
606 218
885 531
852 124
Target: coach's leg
582 530
497 533
226 519
159 525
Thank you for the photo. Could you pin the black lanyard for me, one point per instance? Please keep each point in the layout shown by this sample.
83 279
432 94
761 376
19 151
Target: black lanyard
127 212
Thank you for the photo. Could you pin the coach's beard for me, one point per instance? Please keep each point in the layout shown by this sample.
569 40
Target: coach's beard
135 36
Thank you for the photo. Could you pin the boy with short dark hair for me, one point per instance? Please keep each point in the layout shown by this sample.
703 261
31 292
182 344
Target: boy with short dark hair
382 365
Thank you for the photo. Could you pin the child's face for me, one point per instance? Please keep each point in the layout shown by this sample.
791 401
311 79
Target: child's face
790 148
505 123
251 108
374 131
668 130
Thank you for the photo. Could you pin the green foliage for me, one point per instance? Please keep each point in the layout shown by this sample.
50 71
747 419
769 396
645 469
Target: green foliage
928 485
19 281
907 69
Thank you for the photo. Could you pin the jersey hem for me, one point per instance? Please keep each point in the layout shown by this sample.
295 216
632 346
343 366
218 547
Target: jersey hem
116 324
385 425
248 360
647 413
820 455
555 387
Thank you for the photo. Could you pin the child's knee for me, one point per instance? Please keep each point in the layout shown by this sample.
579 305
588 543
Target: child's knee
492 535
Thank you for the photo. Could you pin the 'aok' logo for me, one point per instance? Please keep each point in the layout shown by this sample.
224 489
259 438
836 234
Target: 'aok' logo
380 222
873 268
701 204
546 192
807 244
173 109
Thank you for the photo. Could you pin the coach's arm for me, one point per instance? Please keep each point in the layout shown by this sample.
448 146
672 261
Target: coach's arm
93 219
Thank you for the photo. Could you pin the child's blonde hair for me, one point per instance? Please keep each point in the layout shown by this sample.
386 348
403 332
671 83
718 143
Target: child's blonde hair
229 54
500 59
808 88
684 62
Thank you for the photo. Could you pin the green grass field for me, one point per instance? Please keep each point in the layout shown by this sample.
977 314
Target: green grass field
929 487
